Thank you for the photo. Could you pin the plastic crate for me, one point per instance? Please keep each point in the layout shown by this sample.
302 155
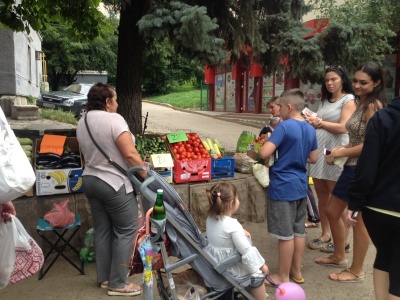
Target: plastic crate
223 167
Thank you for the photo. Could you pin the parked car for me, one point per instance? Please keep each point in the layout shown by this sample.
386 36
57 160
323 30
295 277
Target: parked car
73 98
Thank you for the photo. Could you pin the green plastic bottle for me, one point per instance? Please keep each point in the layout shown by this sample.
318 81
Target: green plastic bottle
158 215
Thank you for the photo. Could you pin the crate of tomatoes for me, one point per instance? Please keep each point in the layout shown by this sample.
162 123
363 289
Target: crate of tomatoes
192 161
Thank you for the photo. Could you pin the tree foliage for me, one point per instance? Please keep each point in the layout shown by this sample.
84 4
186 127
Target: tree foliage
80 17
65 57
383 12
213 31
164 68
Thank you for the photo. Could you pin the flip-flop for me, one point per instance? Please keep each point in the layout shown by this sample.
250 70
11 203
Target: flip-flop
297 280
332 262
104 284
359 277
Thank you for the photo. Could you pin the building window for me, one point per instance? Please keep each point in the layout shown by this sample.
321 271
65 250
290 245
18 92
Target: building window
29 64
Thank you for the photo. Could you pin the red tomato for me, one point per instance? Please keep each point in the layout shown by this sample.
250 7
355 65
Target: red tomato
183 155
175 150
194 156
177 156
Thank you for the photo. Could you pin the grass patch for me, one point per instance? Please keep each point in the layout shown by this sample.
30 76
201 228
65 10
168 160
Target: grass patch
183 97
58 115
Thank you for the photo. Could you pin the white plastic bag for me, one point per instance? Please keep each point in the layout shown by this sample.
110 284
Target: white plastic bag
261 173
7 252
16 173
20 255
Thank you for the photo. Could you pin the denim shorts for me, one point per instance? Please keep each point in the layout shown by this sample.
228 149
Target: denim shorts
286 219
341 190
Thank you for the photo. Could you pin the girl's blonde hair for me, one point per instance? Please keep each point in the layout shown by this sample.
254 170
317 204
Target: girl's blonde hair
220 198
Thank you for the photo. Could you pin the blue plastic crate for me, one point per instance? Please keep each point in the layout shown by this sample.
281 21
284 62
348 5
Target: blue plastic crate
223 167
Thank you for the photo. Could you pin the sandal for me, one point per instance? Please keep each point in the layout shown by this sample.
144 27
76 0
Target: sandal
297 280
330 248
316 244
331 261
336 276
128 290
311 224
104 285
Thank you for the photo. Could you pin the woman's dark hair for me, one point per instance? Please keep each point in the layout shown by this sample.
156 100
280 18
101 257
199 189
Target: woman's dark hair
220 197
346 83
373 70
98 95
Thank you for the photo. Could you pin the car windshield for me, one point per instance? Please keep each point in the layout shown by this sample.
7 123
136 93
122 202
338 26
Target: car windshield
78 88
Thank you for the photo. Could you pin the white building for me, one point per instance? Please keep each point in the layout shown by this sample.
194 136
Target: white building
20 67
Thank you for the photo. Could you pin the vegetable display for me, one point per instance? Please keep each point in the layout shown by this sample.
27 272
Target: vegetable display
191 149
148 145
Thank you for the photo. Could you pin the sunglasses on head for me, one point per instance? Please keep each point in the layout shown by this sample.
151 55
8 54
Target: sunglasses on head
333 68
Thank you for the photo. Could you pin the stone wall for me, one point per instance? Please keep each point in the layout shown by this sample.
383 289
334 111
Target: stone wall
252 207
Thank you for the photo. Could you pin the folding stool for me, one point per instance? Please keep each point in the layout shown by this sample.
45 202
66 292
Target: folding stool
60 244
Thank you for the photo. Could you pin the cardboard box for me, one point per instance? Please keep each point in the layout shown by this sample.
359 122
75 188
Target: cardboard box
163 164
59 181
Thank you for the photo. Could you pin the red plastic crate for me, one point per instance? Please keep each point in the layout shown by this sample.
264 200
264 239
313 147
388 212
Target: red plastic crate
192 170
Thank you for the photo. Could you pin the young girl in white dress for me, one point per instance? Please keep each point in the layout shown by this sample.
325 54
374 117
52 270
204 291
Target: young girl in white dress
227 237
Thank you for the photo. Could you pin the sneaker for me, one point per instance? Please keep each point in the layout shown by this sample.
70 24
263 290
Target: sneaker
316 244
330 248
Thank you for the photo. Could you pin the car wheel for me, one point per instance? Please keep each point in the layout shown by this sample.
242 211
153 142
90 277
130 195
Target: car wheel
82 112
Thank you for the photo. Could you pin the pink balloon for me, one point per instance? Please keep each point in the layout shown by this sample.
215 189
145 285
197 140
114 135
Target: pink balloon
290 291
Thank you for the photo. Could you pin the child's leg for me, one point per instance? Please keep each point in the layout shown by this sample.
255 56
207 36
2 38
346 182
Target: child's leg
259 293
298 256
286 251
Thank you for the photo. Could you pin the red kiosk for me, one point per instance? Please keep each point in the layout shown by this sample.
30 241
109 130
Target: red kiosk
235 88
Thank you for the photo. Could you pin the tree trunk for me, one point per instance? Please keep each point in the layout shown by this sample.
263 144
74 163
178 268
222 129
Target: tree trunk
129 66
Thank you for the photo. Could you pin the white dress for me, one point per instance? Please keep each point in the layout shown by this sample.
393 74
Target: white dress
226 238
329 112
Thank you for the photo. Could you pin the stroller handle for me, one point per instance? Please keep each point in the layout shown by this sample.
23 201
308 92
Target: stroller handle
134 177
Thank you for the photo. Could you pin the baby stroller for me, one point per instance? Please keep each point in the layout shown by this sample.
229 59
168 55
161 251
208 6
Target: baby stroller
186 243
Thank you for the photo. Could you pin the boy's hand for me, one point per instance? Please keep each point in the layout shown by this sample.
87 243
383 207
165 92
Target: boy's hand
246 233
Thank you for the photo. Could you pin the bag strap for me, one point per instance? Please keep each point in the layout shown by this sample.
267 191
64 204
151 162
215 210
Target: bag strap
121 169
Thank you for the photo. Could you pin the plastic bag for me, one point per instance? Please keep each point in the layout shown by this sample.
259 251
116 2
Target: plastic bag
60 216
245 138
136 261
16 173
261 173
87 252
20 255
243 163
189 285
7 253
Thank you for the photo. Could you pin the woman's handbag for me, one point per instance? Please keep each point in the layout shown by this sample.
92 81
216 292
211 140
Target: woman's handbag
20 255
16 172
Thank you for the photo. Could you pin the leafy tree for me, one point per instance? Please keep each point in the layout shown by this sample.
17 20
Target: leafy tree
384 12
65 57
164 68
208 30
353 35
81 18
